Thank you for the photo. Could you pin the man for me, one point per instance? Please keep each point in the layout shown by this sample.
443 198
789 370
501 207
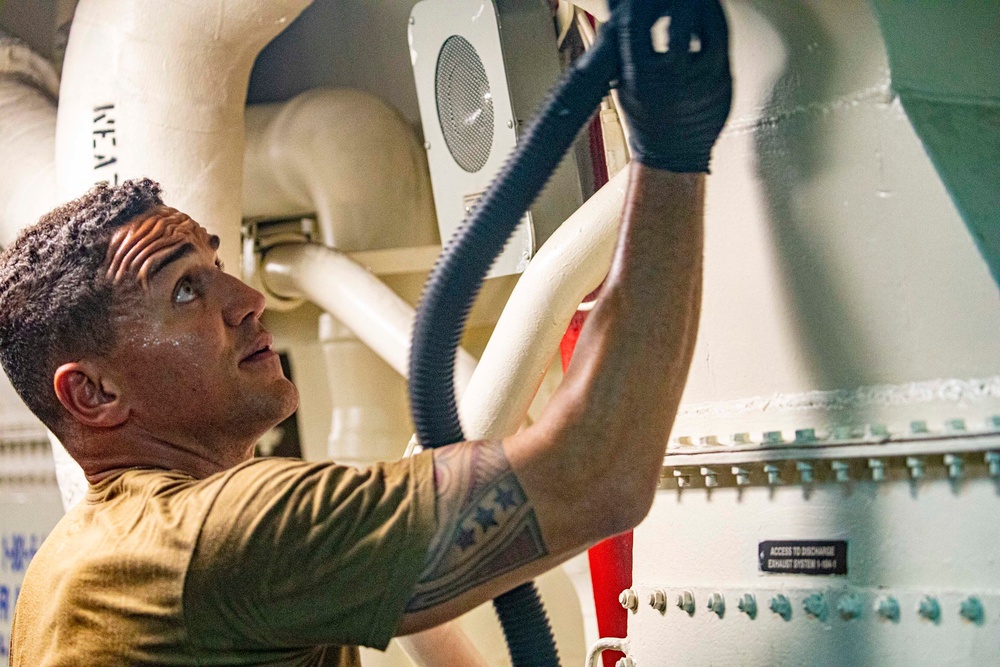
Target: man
122 333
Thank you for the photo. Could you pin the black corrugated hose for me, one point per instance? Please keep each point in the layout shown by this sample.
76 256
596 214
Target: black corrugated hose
459 273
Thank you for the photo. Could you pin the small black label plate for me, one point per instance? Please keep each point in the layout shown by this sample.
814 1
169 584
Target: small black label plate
803 556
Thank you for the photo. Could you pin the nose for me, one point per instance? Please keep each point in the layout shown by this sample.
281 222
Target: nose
242 302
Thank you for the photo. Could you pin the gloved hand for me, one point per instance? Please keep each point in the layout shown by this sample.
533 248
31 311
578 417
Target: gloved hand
676 102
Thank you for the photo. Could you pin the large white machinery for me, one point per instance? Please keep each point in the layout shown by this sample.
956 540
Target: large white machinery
831 489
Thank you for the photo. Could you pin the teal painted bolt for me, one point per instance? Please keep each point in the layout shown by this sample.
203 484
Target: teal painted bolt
805 472
929 609
805 435
917 467
842 470
717 604
773 438
971 610
844 433
781 606
993 461
815 606
878 469
876 432
955 465
849 606
888 608
955 426
994 423
748 605
773 473
685 601
742 439
918 427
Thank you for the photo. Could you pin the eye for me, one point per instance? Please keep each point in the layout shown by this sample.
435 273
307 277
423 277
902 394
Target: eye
185 291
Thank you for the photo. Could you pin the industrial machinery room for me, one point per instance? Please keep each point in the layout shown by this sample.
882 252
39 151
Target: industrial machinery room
352 431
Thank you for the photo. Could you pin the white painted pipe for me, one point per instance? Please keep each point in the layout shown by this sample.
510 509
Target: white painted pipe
28 90
158 88
573 261
347 156
379 317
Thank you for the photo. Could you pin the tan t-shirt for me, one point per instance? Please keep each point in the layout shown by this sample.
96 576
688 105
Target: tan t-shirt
274 562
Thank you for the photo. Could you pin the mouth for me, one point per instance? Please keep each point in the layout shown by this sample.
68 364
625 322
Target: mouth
261 349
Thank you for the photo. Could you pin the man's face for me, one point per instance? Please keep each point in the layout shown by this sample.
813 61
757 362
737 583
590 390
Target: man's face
191 357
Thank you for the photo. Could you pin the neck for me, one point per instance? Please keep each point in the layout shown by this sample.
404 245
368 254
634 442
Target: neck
103 454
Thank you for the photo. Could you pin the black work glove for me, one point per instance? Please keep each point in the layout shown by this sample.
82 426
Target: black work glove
676 102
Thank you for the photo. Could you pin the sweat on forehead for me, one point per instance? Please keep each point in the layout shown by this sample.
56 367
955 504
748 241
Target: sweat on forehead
138 247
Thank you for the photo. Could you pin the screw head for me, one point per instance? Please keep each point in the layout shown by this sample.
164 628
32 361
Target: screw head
748 605
878 469
717 604
971 610
781 606
805 471
773 473
917 467
742 475
412 20
842 470
427 145
815 606
849 606
929 609
955 465
510 123
888 608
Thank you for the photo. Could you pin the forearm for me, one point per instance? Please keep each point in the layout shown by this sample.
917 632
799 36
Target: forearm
607 427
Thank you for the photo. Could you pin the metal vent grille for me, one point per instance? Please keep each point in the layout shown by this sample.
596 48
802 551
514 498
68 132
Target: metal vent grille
464 103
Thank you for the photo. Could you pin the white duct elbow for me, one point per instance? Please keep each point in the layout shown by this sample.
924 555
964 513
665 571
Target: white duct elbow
28 89
158 89
570 265
348 157
358 299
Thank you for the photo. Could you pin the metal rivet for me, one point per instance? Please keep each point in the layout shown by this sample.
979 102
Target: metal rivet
628 599
748 605
993 461
427 145
805 472
878 469
918 426
929 609
954 425
842 470
781 606
510 123
685 601
742 475
711 480
805 435
971 610
888 608
717 604
849 606
876 432
773 473
815 606
658 600
773 438
955 465
844 433
917 466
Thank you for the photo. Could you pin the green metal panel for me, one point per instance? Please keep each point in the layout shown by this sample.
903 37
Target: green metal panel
945 60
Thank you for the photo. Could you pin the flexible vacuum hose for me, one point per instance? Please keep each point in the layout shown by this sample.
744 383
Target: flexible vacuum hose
459 274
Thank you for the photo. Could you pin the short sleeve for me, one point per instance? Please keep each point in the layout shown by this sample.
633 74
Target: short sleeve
294 554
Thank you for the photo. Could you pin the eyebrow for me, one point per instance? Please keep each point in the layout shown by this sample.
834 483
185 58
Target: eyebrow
176 254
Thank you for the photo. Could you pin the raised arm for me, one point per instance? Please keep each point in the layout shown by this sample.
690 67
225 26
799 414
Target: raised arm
588 469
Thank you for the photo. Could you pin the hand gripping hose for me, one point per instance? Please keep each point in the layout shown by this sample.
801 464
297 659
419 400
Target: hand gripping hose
458 275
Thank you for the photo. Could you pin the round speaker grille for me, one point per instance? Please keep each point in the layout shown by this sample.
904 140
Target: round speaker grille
464 103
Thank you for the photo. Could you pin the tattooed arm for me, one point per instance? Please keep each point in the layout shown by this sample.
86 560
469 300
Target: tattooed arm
508 511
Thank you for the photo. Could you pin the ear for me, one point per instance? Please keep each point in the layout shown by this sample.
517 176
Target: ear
91 399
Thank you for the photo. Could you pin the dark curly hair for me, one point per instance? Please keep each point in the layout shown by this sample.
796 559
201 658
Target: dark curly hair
55 301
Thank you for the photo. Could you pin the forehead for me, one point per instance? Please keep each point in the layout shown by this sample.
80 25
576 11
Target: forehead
149 241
